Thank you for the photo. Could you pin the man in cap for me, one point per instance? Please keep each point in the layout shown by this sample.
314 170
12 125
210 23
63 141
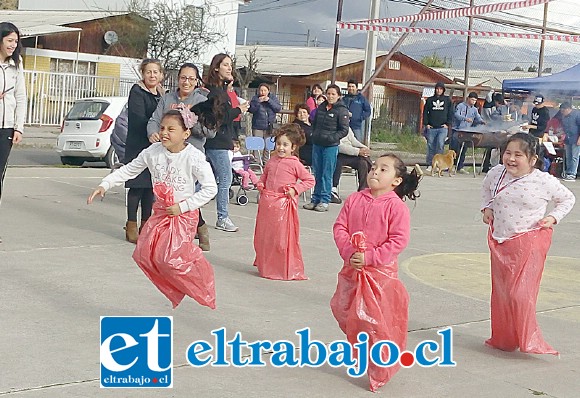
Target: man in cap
571 126
437 117
539 117
466 115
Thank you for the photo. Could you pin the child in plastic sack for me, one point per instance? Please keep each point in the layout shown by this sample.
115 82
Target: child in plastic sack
515 198
278 254
371 230
165 250
237 160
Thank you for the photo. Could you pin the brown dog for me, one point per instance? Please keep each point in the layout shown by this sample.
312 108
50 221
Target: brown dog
442 162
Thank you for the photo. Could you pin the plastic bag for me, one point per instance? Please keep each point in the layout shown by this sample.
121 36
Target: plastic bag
516 271
375 301
277 238
167 254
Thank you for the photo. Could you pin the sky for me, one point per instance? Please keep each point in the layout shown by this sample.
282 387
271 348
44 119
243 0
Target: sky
286 22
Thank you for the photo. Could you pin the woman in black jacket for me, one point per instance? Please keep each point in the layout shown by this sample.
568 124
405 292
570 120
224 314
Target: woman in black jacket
143 100
302 118
216 149
329 127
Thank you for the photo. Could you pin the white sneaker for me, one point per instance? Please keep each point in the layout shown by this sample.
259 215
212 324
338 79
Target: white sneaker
570 179
226 225
462 171
429 169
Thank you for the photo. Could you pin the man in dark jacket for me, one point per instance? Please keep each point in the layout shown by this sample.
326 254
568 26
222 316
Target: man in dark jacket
437 117
359 109
539 117
571 126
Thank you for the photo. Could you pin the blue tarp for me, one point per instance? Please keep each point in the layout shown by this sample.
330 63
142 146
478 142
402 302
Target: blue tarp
566 82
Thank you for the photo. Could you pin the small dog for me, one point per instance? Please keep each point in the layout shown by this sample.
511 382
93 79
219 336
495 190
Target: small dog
442 162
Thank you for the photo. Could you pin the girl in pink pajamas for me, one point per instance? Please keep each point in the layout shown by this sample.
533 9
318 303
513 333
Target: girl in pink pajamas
371 230
515 201
277 234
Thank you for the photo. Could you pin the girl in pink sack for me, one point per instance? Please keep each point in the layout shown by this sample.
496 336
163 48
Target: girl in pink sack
165 250
515 201
371 230
278 254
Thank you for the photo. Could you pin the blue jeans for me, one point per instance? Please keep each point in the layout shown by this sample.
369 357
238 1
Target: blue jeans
358 134
572 154
222 170
456 146
435 142
323 165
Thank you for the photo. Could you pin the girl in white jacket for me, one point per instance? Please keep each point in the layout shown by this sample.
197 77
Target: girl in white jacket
12 94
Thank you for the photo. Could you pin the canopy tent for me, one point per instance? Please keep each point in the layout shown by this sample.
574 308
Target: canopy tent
566 82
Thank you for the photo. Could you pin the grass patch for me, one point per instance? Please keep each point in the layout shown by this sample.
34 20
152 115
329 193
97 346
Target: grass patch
405 141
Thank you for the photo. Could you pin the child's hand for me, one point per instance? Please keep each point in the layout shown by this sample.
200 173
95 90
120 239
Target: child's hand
260 186
98 191
488 216
291 192
155 137
547 222
174 210
357 260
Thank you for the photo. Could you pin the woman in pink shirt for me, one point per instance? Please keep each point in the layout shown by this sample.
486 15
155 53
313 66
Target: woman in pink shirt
515 197
278 254
371 230
311 101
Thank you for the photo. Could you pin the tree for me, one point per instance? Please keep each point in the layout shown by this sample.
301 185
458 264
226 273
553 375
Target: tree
433 61
533 68
179 32
518 69
250 71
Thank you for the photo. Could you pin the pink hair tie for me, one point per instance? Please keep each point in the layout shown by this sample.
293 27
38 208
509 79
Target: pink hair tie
189 118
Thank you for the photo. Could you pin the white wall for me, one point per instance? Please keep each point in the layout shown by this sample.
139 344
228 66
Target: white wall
68 5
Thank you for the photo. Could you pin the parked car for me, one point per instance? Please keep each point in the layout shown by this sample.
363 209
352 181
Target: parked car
86 131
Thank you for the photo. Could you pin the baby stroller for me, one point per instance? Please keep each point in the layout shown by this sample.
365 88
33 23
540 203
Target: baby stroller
241 195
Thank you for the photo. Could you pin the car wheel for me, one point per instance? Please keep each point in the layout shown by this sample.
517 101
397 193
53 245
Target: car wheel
70 161
111 158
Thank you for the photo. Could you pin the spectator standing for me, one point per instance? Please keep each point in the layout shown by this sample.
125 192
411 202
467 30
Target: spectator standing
437 117
571 126
314 93
358 107
466 115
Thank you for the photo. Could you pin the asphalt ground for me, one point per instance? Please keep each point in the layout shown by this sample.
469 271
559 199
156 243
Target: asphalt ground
65 264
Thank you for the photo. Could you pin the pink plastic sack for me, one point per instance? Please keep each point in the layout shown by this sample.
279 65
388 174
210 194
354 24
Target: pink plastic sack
167 254
375 301
277 238
517 265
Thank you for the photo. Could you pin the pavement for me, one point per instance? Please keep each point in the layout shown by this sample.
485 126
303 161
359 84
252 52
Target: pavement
65 264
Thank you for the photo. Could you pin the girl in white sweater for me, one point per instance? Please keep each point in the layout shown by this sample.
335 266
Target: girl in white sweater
165 250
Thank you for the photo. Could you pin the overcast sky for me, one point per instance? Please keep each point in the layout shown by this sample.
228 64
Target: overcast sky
286 22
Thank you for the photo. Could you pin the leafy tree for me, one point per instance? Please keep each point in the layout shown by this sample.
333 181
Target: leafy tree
433 61
518 69
533 68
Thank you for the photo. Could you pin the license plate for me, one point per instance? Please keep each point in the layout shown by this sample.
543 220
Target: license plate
75 145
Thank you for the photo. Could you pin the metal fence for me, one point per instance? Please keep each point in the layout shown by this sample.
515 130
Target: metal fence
50 95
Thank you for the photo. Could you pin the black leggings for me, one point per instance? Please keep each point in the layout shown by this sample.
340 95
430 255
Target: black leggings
140 195
5 147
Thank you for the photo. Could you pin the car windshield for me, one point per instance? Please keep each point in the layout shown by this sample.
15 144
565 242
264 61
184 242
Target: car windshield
87 110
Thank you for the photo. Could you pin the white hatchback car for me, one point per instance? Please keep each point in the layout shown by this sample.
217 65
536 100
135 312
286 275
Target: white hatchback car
86 131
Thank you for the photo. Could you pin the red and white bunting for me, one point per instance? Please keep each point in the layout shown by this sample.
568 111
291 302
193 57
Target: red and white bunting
474 33
457 12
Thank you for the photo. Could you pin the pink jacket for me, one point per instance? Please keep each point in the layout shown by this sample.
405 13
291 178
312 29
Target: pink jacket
280 172
385 221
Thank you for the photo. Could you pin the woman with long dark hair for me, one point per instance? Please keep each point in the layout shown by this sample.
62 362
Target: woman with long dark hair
12 94
216 149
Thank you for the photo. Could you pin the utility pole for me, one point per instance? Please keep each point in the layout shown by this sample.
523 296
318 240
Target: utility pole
370 64
245 34
543 43
467 56
308 38
336 41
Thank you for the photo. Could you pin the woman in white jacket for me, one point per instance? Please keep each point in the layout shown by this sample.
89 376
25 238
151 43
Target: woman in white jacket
12 94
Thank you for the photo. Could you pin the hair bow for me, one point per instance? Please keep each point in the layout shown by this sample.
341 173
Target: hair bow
189 118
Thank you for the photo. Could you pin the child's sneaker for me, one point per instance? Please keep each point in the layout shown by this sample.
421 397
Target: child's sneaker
309 206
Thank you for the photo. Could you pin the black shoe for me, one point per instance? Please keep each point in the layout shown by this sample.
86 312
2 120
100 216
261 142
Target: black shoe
334 198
